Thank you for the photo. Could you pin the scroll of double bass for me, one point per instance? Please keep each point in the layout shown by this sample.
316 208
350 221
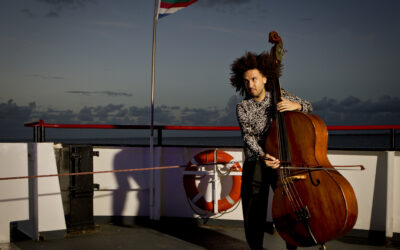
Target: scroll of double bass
313 203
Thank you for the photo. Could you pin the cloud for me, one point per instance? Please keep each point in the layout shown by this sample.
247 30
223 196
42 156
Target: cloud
12 119
11 111
229 115
45 77
85 114
27 12
107 93
52 14
66 3
57 6
106 112
200 117
353 111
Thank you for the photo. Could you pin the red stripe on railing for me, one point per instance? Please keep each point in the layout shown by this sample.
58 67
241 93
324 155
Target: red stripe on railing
215 128
364 127
41 123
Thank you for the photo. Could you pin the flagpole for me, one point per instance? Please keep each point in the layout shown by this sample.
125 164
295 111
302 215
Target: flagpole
152 181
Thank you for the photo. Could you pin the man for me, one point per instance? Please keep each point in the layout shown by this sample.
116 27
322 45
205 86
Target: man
249 75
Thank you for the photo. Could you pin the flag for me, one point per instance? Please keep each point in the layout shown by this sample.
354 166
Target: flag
168 7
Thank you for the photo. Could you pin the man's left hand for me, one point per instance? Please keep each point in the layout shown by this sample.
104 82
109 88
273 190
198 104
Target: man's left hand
286 105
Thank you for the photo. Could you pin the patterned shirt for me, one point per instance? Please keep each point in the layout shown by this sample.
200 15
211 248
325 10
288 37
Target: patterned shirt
254 119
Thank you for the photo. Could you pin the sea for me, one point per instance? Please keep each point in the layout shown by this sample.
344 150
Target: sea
359 140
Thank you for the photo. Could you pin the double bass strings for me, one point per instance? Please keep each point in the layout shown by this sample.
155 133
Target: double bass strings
289 186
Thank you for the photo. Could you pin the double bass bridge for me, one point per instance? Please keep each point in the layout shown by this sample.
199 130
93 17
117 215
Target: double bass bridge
291 179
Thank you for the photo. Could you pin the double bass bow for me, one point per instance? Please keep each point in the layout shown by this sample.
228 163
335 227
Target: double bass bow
313 203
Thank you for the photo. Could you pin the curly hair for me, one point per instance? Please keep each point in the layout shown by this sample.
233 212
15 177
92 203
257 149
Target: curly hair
264 62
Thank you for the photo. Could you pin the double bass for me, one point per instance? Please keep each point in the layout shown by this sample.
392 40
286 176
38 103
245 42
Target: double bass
313 203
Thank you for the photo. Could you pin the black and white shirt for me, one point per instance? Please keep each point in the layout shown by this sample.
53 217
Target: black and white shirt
254 119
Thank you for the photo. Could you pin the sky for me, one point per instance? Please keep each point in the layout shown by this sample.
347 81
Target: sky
89 61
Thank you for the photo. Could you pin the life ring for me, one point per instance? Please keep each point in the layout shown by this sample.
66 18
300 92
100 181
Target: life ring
189 181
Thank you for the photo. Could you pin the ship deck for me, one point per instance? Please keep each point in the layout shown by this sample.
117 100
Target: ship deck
178 235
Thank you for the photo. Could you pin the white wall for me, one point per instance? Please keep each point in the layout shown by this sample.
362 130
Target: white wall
377 188
36 202
127 193
13 193
371 186
393 194
396 193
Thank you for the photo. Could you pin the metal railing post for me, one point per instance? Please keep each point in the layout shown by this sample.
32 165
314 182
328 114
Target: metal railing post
159 137
35 133
42 135
392 139
42 131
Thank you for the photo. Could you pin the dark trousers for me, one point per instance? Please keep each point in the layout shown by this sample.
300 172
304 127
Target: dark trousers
257 178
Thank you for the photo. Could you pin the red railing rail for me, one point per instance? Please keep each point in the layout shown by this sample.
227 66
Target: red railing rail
364 127
39 126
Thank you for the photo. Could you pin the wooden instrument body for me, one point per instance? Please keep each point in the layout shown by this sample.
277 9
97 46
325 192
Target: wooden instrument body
328 196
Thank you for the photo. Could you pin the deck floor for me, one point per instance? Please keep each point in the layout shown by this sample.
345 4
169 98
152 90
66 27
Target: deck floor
175 236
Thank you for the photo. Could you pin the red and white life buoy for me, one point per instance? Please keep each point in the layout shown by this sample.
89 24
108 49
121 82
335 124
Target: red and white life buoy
189 181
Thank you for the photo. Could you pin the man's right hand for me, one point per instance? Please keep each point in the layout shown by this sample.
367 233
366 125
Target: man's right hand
271 161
